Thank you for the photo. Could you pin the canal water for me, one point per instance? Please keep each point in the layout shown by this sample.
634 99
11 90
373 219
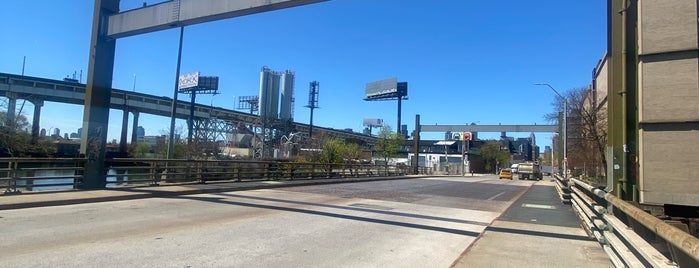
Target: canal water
63 183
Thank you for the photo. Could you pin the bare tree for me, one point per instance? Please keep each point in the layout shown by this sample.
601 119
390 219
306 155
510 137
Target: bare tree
586 131
15 139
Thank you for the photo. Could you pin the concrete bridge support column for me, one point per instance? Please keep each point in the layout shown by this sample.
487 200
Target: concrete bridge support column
36 118
124 130
11 108
97 96
134 129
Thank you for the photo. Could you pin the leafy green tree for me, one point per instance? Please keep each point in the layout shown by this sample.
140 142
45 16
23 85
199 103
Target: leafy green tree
351 151
179 150
332 151
388 143
494 155
141 150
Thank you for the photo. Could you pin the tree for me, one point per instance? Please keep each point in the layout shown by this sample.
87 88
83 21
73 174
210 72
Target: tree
493 155
141 150
16 141
586 129
332 152
388 143
179 148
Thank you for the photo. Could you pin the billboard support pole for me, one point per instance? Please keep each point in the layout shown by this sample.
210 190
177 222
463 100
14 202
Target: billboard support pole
190 129
399 108
416 145
171 143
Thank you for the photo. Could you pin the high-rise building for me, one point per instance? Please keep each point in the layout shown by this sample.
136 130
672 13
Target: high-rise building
140 134
447 136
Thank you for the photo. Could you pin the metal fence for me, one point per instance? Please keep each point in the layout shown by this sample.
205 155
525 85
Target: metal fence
40 173
55 173
630 236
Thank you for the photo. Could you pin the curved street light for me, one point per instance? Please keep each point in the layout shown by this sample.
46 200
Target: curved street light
565 132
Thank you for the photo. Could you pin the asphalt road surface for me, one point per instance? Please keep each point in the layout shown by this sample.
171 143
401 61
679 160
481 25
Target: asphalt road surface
424 222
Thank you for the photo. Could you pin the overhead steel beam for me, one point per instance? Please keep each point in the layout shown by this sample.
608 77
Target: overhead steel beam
178 13
489 128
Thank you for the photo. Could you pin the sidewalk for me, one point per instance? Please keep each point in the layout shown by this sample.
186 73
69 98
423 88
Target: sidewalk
69 197
536 231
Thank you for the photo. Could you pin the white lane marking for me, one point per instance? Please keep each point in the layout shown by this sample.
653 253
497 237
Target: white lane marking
525 205
496 196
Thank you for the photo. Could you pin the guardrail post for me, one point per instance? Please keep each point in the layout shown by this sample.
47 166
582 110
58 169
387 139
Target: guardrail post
313 170
200 169
12 166
237 171
152 173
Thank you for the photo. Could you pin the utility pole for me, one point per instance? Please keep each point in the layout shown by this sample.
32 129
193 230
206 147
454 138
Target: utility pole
565 131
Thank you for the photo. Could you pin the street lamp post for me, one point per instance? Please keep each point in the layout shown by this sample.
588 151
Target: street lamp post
565 132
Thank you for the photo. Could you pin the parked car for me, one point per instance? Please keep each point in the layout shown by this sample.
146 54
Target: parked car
506 173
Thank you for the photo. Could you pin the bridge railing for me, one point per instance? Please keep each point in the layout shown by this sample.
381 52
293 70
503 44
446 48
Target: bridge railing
66 173
40 173
630 236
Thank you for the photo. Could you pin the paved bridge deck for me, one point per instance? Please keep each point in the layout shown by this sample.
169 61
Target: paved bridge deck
536 231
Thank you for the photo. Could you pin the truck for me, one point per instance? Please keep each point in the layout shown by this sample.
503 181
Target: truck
529 171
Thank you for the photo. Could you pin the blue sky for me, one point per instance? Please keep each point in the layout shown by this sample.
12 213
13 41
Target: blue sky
464 61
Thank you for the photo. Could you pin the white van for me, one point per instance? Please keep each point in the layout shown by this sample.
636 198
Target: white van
514 168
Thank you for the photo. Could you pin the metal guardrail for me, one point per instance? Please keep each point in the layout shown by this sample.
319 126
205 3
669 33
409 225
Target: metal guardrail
630 236
18 174
37 173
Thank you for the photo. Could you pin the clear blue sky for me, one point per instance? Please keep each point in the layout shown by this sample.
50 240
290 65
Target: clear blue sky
464 61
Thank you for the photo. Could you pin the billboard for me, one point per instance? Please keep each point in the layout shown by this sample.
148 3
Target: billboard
188 80
208 82
461 136
193 82
373 122
386 89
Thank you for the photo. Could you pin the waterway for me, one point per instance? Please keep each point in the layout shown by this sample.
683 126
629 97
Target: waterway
64 183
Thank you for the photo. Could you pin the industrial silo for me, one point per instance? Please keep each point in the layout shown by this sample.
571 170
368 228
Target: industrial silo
287 108
269 94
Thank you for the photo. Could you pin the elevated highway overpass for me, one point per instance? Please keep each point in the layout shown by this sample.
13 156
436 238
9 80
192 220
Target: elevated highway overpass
37 90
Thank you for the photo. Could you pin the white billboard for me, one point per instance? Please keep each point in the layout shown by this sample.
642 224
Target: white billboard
188 80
